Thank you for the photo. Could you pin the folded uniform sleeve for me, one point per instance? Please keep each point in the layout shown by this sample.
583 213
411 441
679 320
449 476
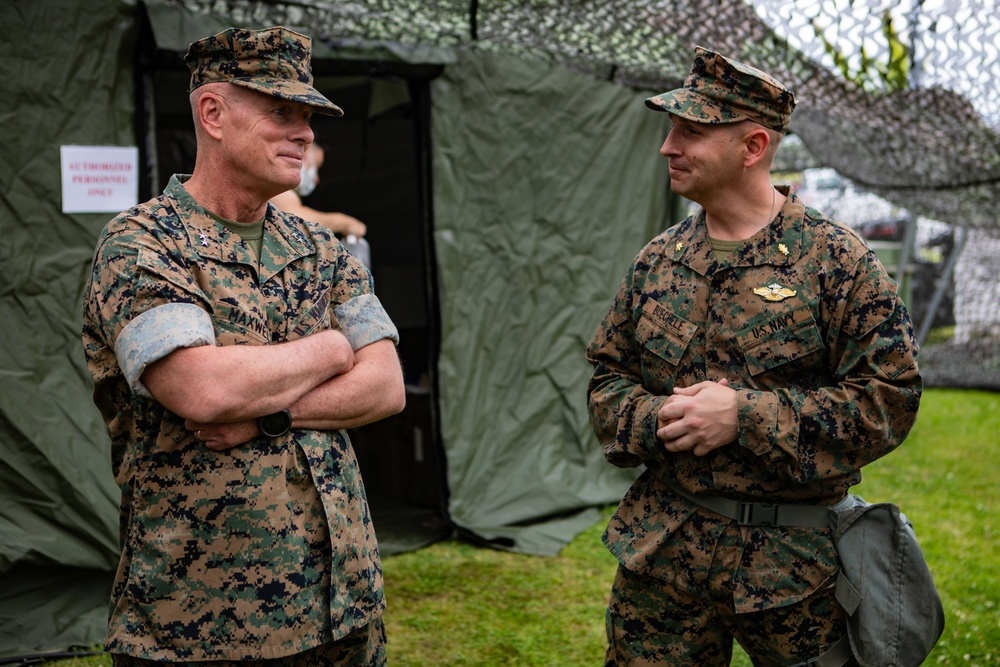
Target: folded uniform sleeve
154 334
363 321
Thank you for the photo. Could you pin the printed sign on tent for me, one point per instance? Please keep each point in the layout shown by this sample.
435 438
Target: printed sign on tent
99 179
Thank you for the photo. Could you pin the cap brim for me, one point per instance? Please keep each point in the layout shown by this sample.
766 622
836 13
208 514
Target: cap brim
293 91
688 104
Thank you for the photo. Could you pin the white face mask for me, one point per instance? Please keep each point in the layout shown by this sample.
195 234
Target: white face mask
307 181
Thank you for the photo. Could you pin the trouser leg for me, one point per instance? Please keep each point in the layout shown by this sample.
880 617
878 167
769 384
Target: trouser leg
649 622
795 634
365 647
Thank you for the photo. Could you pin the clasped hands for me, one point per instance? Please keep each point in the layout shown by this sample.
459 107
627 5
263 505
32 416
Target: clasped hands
699 418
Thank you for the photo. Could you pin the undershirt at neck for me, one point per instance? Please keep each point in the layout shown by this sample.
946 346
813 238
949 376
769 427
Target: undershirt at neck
251 232
721 249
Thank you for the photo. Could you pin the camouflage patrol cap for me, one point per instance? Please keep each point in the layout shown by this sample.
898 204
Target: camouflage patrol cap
274 61
720 90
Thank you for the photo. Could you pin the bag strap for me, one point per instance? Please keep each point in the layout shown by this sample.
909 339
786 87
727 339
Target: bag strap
837 655
847 595
758 514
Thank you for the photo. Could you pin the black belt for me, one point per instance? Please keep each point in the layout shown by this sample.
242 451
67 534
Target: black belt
759 514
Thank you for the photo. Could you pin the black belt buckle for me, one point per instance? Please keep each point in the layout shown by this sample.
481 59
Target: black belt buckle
758 514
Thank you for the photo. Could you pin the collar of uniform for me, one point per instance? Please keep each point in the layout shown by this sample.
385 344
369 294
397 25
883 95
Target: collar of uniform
689 243
282 243
207 237
780 242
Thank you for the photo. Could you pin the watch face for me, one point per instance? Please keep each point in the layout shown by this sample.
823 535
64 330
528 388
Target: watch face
275 425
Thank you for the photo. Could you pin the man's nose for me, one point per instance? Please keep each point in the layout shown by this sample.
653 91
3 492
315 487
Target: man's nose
303 131
668 148
664 149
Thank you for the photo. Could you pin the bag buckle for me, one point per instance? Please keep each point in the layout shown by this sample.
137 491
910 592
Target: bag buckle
758 514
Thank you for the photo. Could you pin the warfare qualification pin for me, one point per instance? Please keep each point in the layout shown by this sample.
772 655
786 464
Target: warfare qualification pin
774 292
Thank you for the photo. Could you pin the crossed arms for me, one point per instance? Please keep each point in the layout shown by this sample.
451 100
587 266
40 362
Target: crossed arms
220 391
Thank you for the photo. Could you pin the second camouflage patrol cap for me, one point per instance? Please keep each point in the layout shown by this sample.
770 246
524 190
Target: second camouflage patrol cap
720 90
275 61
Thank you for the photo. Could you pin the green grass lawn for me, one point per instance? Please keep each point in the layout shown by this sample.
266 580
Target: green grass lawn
457 604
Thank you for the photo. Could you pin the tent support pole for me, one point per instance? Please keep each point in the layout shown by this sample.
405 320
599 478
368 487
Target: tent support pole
925 327
473 19
909 239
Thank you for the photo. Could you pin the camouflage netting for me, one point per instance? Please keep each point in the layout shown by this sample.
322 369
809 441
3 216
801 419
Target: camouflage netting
901 97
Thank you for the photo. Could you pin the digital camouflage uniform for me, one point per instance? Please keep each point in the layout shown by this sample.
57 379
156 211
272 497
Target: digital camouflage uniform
262 550
807 327
720 90
265 550
275 61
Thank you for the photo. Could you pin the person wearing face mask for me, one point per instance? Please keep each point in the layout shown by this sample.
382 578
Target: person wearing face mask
291 200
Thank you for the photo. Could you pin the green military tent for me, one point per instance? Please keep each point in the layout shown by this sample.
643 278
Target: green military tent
504 199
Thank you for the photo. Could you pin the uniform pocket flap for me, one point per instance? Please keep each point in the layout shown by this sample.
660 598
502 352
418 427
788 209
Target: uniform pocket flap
783 338
663 333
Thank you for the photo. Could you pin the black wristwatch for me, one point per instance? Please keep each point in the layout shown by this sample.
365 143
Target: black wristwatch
275 425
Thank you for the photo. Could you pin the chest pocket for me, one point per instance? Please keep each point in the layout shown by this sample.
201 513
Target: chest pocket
785 338
235 326
663 335
315 318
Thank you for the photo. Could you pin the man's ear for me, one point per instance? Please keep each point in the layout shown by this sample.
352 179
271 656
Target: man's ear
210 109
756 142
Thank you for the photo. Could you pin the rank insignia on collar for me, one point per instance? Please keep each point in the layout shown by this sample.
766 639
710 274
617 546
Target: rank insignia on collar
774 292
783 249
679 246
204 238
